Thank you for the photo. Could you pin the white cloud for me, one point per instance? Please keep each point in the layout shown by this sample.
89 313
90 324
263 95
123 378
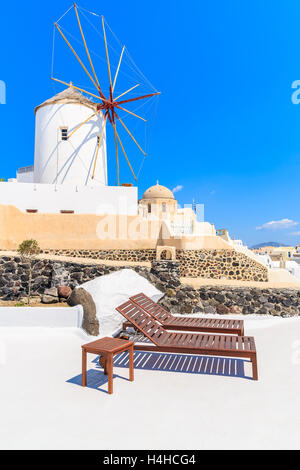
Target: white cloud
213 192
177 188
296 234
278 224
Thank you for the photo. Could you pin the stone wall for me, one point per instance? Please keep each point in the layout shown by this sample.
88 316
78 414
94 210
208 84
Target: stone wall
165 275
14 275
216 264
232 300
186 299
109 255
220 264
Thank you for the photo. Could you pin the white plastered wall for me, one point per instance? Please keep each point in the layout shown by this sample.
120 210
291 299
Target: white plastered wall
50 317
51 199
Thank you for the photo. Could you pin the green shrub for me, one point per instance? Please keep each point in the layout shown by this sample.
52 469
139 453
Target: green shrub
28 250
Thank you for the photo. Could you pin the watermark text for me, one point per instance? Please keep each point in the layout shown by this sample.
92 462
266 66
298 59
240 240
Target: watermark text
2 92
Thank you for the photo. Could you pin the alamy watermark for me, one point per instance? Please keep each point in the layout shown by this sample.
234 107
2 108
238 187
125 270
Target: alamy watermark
122 222
296 94
2 92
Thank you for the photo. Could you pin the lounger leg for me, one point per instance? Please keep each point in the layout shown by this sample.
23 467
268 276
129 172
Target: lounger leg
131 370
254 367
83 376
109 365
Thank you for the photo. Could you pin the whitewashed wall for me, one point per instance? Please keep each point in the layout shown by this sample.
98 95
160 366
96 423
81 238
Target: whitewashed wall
53 317
25 177
49 198
69 161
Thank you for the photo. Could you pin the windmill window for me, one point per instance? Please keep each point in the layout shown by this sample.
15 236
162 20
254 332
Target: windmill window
64 133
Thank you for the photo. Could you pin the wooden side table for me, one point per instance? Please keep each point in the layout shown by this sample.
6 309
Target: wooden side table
108 348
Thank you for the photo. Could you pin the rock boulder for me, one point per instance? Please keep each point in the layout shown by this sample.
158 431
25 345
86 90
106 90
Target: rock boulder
64 292
90 322
49 299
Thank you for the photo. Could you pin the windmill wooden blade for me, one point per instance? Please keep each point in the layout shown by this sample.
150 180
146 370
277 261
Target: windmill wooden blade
107 57
125 155
80 125
76 55
117 72
85 45
130 112
98 146
117 154
130 135
127 91
80 89
138 98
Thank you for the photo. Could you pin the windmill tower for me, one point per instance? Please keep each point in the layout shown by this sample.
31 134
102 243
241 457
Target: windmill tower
59 159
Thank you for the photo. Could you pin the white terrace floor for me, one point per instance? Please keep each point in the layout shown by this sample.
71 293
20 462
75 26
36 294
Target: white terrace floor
43 407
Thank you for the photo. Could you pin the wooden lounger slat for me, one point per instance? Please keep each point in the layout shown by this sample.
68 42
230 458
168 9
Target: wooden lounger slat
247 343
166 339
193 340
219 342
166 319
185 340
240 342
178 338
234 342
227 343
252 343
189 339
199 340
210 341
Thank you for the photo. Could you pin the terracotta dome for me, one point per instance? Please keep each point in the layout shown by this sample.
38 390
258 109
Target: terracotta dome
158 192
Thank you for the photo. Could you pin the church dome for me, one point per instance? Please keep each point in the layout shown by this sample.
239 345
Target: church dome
158 192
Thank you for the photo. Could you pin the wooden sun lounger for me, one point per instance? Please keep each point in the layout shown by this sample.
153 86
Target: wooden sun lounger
187 343
184 323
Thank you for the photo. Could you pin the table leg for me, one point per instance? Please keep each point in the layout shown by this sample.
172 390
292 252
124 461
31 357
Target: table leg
83 377
131 368
254 367
104 358
110 366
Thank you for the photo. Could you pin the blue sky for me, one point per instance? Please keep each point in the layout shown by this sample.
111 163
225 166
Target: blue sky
226 130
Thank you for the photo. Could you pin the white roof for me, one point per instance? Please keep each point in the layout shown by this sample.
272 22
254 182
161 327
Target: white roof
69 95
